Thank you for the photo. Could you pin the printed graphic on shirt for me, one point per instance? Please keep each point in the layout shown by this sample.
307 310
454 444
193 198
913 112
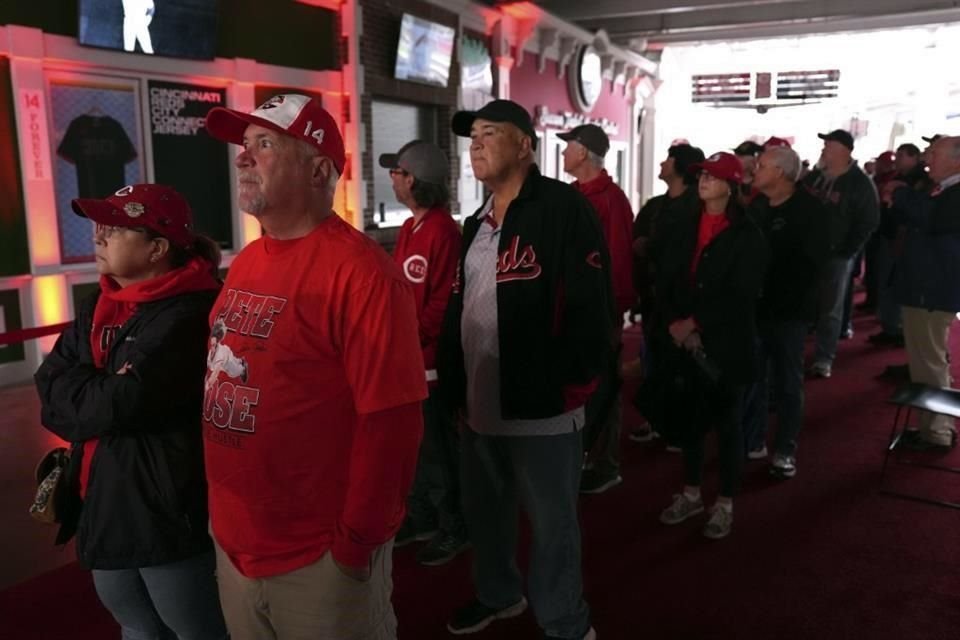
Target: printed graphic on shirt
229 402
518 264
415 269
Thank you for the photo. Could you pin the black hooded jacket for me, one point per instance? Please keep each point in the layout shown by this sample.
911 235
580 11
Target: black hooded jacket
146 502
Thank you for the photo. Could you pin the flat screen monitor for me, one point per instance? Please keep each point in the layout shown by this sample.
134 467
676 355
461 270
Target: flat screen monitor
175 28
424 51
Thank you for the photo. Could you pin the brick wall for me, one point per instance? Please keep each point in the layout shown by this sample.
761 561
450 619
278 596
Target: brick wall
378 44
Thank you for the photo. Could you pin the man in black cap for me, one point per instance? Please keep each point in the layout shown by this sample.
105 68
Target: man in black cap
583 158
655 216
526 335
747 153
853 212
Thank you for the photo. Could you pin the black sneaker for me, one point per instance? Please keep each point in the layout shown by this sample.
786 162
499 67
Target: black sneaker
410 531
441 549
914 440
477 616
897 372
593 481
590 635
644 433
884 339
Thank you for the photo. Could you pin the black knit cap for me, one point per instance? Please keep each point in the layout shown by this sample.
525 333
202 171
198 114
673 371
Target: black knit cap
496 111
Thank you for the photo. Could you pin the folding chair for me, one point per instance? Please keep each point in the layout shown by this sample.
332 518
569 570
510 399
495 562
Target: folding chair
912 396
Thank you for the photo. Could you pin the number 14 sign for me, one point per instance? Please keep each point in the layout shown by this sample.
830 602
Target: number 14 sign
33 123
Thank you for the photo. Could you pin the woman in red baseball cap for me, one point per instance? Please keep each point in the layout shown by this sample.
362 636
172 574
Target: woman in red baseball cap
709 284
124 385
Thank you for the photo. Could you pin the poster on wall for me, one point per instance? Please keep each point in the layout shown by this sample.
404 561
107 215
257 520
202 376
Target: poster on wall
95 140
15 256
10 321
188 159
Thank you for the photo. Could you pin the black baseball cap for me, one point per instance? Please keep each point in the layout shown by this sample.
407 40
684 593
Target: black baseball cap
933 138
495 111
838 135
590 136
748 148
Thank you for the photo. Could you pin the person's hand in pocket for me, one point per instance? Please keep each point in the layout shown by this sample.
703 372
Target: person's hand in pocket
355 573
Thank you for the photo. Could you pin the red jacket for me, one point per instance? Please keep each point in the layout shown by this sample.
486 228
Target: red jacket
427 253
616 220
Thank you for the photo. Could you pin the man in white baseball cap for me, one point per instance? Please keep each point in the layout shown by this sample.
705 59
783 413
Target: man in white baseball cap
310 457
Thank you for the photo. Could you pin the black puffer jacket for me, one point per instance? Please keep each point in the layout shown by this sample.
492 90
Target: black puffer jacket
723 293
146 503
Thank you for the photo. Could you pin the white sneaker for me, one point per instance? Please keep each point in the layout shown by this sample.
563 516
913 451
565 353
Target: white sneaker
683 508
758 454
820 370
720 523
783 466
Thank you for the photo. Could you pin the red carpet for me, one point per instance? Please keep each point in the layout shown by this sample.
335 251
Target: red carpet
822 556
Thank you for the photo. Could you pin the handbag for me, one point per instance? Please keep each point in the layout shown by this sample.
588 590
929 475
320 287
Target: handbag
51 479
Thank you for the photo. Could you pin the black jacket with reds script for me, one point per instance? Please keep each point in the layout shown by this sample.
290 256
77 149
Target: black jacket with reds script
147 500
555 305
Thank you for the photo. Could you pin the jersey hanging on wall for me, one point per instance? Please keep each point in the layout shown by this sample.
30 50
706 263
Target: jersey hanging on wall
99 147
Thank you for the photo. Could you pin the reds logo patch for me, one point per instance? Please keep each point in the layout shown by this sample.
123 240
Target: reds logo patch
415 268
272 103
517 264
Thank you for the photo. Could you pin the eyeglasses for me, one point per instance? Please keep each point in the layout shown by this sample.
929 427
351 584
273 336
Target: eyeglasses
107 230
399 172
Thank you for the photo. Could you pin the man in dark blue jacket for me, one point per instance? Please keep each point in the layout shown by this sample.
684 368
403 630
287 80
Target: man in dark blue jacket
928 281
527 332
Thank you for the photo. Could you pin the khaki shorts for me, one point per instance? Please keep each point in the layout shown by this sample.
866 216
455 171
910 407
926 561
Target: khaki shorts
317 602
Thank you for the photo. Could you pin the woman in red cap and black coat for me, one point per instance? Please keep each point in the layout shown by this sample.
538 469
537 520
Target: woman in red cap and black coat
124 384
708 285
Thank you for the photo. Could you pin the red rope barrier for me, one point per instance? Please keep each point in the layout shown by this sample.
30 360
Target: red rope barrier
22 335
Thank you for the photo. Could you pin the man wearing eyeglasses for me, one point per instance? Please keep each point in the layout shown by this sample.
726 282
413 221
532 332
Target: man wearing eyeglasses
427 250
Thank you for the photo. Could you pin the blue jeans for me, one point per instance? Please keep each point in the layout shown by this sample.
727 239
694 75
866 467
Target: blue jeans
435 495
604 417
177 600
834 281
541 473
781 347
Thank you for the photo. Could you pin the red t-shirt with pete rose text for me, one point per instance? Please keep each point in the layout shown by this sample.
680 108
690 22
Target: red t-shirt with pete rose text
312 341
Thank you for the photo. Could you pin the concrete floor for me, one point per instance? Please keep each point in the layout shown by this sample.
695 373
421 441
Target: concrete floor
26 546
